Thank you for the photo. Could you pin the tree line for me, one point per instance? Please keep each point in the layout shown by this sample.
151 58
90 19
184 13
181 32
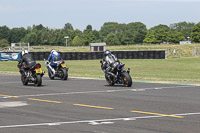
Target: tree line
112 33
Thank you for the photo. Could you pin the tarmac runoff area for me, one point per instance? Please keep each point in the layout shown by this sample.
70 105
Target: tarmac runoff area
90 105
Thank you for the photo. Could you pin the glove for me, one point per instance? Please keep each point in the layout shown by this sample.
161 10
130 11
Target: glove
47 62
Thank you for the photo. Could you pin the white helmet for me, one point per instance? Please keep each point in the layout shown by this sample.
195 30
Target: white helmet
24 52
52 51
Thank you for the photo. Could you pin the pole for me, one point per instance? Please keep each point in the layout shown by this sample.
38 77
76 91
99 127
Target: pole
66 37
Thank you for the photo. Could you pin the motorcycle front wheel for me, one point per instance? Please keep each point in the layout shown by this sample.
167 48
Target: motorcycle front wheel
38 80
23 79
109 80
127 80
50 75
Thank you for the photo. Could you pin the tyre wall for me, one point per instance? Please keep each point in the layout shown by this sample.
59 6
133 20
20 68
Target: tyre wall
99 55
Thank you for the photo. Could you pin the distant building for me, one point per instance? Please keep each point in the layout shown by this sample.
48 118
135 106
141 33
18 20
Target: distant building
185 42
97 47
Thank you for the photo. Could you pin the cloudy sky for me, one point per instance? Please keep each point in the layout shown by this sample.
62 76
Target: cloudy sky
80 13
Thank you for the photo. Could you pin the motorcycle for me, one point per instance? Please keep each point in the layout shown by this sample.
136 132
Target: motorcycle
57 69
33 75
118 75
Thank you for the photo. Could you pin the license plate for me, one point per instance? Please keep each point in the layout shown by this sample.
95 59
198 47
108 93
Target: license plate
38 70
63 65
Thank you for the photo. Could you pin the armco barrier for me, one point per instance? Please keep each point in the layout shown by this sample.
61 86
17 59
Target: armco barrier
153 54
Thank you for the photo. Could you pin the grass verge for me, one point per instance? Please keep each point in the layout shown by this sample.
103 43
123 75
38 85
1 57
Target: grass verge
185 50
173 69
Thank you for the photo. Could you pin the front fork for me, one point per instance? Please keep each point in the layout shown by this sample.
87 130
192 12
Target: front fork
51 69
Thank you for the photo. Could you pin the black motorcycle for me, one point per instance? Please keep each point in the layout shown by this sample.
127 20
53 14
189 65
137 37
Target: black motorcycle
118 75
57 69
32 75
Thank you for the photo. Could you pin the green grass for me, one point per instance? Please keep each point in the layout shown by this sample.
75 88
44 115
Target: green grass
172 69
185 50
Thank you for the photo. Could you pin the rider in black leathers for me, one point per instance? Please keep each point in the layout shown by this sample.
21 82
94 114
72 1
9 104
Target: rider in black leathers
26 62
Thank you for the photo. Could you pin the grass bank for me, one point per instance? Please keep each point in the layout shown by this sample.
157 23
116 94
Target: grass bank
183 50
172 69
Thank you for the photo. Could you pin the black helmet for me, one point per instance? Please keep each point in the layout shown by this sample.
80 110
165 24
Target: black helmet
107 52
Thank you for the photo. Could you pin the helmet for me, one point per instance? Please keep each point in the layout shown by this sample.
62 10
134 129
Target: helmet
107 52
52 51
24 52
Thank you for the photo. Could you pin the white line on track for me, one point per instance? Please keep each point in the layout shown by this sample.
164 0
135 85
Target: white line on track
93 122
104 91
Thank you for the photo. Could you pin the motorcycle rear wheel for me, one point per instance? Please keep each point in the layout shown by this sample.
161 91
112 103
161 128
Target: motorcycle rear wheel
64 75
127 80
38 80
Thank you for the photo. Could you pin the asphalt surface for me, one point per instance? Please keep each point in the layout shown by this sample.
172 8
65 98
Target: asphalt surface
91 106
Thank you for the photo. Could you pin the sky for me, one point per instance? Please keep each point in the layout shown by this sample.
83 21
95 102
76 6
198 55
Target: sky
80 13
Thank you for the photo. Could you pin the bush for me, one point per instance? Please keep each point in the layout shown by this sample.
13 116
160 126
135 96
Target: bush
4 43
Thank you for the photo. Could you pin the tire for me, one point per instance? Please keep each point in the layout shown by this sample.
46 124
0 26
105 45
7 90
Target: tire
23 79
38 80
64 75
50 75
127 80
111 83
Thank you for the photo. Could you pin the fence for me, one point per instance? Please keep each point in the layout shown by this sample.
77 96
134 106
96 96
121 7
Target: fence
99 55
196 51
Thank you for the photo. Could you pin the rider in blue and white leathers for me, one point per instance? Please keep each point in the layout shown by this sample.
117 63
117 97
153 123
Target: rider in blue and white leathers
54 56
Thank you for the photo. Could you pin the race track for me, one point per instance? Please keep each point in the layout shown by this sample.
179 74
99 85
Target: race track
91 106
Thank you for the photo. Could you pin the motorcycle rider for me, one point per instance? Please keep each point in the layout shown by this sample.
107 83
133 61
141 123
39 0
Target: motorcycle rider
108 60
26 62
54 56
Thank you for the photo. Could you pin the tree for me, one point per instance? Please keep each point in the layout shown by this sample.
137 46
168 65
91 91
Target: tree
97 36
195 35
77 41
150 37
68 26
109 27
176 37
136 31
161 33
88 38
4 32
112 39
43 36
59 36
16 34
88 28
124 39
183 27
39 27
4 43
31 38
